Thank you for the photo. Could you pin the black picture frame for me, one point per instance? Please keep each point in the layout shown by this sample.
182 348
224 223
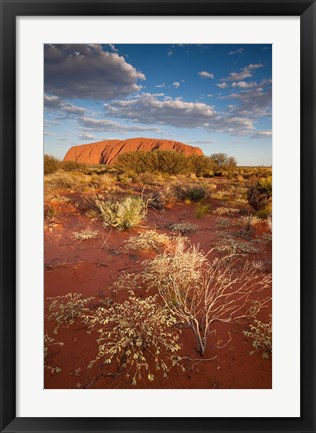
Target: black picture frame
10 9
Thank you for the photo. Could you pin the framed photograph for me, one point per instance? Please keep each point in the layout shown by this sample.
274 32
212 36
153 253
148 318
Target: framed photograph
157 216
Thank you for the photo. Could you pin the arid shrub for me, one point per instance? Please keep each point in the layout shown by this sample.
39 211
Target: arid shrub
50 213
183 228
136 334
261 335
51 164
194 191
202 209
85 234
67 309
222 162
122 213
72 166
199 293
50 342
260 195
148 241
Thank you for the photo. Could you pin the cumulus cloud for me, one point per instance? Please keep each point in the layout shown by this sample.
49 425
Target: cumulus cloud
86 71
222 85
150 109
244 73
177 113
205 74
244 84
109 125
176 84
53 102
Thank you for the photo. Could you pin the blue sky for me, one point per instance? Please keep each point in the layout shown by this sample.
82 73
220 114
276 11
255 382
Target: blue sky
216 97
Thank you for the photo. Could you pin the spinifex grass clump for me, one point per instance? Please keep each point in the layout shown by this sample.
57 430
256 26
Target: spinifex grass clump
136 333
122 213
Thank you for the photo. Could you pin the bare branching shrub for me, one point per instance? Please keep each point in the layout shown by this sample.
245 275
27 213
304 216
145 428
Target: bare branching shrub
67 309
261 335
180 267
148 241
122 213
85 234
183 228
200 293
137 333
50 342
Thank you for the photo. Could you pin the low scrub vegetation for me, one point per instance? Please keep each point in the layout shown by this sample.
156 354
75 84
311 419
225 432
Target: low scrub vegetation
122 213
260 334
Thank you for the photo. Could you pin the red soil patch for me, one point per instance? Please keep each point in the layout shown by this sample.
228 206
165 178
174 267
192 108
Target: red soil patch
90 267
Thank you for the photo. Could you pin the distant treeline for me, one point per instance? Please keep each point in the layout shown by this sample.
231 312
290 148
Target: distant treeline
173 163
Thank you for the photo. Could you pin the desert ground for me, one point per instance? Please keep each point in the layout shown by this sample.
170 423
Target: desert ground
155 280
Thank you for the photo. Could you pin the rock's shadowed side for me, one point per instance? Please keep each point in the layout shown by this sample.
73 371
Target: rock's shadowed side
107 151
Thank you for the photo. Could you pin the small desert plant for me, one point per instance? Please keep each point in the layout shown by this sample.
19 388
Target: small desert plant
194 191
49 342
225 211
51 164
67 309
261 335
122 213
235 247
50 213
85 234
150 240
202 209
183 228
260 195
135 334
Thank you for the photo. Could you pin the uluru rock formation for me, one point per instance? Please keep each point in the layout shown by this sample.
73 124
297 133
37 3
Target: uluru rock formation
107 151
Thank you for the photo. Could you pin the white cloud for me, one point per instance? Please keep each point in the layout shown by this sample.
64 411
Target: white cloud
53 102
109 125
170 53
177 113
86 71
160 85
176 84
262 134
205 74
244 84
222 85
86 136
238 51
244 73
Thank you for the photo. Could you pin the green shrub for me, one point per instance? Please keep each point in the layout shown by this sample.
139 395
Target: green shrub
72 166
260 195
194 191
123 213
51 164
